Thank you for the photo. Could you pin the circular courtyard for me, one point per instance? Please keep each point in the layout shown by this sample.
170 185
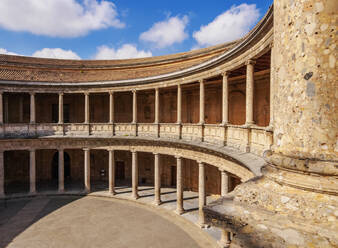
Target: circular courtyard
73 221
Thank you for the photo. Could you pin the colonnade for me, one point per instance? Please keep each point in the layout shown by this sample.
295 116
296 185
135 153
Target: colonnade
135 179
225 93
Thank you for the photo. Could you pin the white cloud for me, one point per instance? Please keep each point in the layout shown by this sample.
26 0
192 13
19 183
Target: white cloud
56 53
4 51
167 32
230 25
126 51
58 18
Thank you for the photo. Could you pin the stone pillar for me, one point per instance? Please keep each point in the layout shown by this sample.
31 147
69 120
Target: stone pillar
60 108
201 194
272 68
225 239
225 95
224 183
32 108
1 109
157 179
32 172
2 174
61 170
157 106
202 104
134 175
111 172
179 104
134 106
179 185
87 114
249 92
305 91
111 107
87 169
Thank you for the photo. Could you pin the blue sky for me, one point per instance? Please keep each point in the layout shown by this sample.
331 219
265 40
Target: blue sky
117 29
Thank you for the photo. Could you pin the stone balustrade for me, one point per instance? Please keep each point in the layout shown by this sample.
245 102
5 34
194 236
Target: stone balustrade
244 138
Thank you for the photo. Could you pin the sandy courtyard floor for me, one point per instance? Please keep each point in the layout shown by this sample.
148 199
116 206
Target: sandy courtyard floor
73 221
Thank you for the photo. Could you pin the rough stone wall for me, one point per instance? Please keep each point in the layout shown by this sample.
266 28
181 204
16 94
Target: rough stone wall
237 102
16 108
305 76
99 108
168 105
16 165
190 104
146 107
213 103
262 100
123 107
76 107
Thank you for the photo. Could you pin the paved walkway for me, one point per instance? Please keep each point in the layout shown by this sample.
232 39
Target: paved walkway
102 220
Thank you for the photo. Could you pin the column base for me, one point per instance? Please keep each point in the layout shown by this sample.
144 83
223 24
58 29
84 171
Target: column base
180 211
203 225
61 191
135 196
157 203
112 192
223 244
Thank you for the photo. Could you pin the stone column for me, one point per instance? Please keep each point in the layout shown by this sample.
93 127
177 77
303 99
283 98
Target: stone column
134 107
1 109
225 238
202 104
201 194
32 108
249 92
32 172
111 107
60 108
157 106
111 172
179 185
305 90
61 170
87 169
134 175
225 95
2 174
271 86
157 179
87 114
224 183
179 104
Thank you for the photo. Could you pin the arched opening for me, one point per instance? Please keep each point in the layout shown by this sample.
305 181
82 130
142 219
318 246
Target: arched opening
55 167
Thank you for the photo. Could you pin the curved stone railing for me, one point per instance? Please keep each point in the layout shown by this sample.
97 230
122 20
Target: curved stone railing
246 139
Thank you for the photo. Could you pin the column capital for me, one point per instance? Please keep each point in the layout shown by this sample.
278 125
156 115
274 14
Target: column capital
178 157
201 80
157 88
225 74
200 163
250 62
32 150
133 151
86 149
61 149
110 149
32 93
271 45
61 93
86 93
134 91
111 92
156 153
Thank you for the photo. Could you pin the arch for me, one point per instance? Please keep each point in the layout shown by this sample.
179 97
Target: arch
55 166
